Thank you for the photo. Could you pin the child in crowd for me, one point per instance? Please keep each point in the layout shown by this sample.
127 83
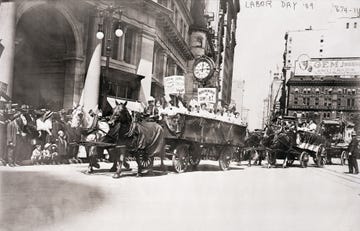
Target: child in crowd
62 146
54 154
36 156
46 154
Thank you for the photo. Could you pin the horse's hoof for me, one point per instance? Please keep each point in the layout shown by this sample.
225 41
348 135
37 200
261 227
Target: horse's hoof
126 165
112 169
96 165
116 176
89 171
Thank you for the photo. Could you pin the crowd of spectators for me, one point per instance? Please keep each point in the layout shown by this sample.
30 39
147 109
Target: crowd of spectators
35 136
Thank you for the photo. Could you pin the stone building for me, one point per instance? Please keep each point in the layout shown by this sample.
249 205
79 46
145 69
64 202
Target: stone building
323 68
49 44
224 27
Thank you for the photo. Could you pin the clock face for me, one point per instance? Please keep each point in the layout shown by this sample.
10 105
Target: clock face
202 69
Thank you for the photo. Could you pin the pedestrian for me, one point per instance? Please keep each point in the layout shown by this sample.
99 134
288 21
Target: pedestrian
36 156
12 133
62 146
353 151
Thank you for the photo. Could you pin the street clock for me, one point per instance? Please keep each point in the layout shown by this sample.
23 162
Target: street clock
203 68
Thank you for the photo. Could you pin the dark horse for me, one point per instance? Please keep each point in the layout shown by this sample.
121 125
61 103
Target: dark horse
143 139
252 148
280 146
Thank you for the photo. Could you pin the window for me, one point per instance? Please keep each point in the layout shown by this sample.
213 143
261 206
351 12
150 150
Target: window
289 51
295 100
321 40
348 102
304 100
129 44
352 102
355 25
163 2
176 17
347 25
316 101
339 102
321 50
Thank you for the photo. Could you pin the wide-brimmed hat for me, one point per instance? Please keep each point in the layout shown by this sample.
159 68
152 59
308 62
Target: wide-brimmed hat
47 145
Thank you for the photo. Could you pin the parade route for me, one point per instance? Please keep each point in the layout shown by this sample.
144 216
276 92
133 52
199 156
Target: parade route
63 197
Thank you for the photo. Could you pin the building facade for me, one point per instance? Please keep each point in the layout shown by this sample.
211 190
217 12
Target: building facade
48 46
223 15
323 69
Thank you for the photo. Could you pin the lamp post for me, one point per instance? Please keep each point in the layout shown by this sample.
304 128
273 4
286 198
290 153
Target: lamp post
107 21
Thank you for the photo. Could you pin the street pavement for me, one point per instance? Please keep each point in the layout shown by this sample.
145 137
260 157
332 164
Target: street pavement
64 197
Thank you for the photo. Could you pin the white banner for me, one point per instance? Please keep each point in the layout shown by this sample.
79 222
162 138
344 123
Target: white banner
174 84
327 67
206 95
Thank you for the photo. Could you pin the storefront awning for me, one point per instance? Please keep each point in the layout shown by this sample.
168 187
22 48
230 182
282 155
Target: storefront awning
131 105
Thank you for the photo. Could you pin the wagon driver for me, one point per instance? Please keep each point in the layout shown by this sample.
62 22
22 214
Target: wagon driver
353 151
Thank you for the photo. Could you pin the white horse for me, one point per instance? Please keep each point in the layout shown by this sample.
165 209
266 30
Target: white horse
92 131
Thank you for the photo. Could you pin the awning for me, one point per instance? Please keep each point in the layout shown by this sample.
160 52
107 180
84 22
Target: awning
131 105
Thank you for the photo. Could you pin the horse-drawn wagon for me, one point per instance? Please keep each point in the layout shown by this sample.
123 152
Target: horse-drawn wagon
290 143
337 136
190 138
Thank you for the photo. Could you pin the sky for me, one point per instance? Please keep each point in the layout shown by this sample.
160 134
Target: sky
260 40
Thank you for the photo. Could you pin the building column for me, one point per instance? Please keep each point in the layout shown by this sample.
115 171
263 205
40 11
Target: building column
74 81
7 40
145 65
165 58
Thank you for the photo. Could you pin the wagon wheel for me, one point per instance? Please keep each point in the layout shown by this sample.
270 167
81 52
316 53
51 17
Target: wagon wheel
304 159
225 159
343 157
180 158
321 156
194 155
145 160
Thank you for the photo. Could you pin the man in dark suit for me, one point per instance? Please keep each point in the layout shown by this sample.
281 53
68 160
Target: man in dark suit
353 151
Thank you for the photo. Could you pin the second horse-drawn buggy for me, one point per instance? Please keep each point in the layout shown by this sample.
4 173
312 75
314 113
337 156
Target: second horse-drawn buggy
289 143
337 134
